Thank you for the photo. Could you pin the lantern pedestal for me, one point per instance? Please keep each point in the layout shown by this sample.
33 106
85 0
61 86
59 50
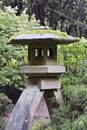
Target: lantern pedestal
27 104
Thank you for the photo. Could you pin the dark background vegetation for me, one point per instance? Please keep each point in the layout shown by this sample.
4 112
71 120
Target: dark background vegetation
66 15
69 16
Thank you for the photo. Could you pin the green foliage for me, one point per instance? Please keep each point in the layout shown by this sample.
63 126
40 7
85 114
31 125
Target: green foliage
73 57
80 123
72 115
5 107
11 24
76 97
12 57
43 124
5 104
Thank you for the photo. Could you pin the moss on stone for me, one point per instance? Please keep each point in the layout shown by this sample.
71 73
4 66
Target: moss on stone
58 33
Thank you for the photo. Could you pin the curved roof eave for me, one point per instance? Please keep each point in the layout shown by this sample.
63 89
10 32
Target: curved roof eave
24 38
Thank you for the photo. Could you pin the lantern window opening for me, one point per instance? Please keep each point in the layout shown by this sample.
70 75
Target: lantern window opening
50 53
38 52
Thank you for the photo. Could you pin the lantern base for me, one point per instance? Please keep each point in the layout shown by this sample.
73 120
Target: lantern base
42 71
27 104
43 83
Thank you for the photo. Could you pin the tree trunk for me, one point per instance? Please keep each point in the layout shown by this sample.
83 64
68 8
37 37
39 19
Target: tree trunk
34 8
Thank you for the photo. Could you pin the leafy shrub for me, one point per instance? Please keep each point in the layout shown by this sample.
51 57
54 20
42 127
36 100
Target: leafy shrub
5 104
12 57
76 97
73 57
80 123
43 124
5 107
71 115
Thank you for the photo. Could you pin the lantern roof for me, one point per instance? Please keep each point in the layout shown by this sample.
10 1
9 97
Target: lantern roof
42 36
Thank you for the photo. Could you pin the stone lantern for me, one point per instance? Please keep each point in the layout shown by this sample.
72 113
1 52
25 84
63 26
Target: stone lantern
42 72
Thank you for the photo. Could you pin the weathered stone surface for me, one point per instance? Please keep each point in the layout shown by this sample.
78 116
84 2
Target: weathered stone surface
45 37
49 83
44 83
37 71
42 54
24 110
42 111
58 96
